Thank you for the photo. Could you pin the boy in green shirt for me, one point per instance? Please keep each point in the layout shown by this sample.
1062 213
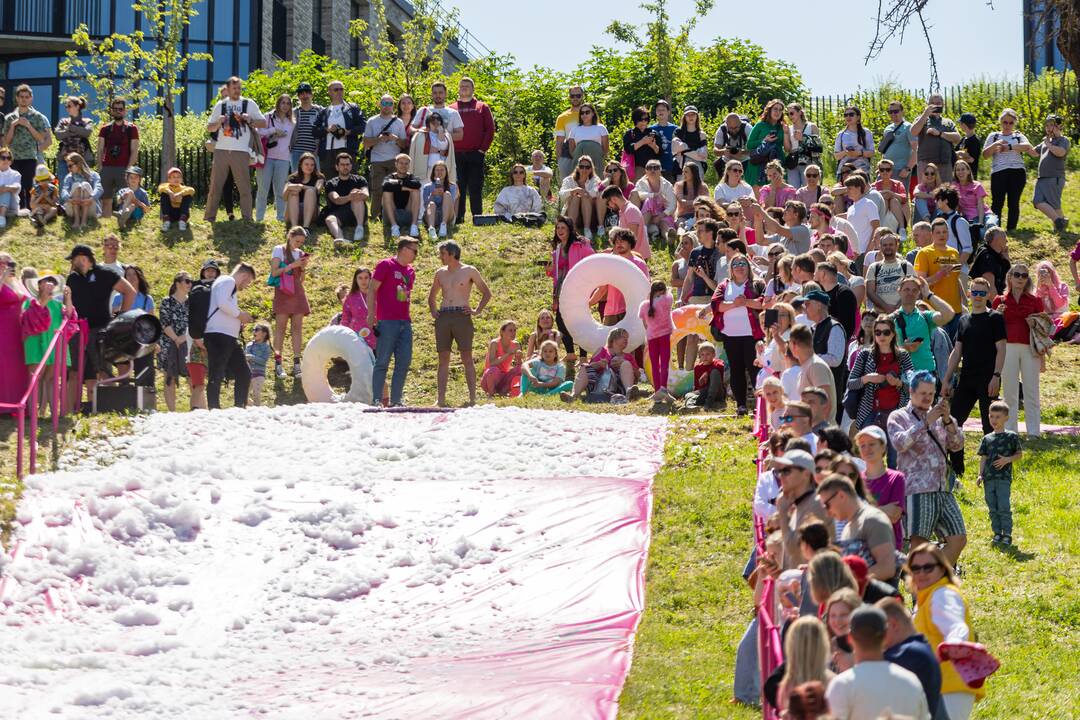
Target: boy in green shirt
999 451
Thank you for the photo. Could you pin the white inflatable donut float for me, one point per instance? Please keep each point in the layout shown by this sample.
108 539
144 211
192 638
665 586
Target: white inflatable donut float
337 342
593 272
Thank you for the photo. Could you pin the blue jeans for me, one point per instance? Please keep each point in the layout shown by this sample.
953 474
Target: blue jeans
10 201
395 340
922 210
747 683
998 502
271 177
294 161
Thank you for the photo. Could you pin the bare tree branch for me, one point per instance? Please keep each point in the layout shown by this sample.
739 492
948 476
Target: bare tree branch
892 23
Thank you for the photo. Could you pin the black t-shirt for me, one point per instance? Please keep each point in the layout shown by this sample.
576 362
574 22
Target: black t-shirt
400 187
645 153
844 306
988 260
91 293
706 258
973 147
343 186
978 333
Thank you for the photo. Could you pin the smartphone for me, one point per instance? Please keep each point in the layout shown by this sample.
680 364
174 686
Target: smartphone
772 316
938 108
917 341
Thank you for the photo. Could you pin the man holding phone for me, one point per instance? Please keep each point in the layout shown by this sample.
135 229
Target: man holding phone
936 136
914 327
940 265
384 139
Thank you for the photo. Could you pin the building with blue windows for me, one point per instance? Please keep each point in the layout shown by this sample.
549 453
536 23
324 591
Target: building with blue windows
1040 30
241 35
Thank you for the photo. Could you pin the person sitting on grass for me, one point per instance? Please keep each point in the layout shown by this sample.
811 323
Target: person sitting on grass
545 330
519 196
346 202
541 175
609 375
401 198
81 192
999 451
44 197
709 391
132 202
302 193
502 364
545 374
439 198
175 199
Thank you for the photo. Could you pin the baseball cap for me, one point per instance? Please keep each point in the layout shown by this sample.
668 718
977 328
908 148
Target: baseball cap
817 295
304 87
135 170
211 263
81 250
689 109
42 174
1053 118
796 458
875 432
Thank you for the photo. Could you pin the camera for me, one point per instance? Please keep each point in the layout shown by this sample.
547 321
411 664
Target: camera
114 151
339 132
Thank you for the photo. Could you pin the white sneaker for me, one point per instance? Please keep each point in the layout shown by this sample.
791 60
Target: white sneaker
433 234
442 230
341 243
358 234
165 225
3 221
414 231
182 226
395 231
601 231
279 370
587 234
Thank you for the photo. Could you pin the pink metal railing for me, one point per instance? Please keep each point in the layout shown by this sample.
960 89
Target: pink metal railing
28 404
770 654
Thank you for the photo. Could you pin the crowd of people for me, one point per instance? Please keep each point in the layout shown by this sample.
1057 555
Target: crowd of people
871 314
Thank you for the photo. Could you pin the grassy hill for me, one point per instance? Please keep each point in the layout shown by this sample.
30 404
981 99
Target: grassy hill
1025 603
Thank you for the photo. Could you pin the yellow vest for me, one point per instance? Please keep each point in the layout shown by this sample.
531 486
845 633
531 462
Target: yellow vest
924 623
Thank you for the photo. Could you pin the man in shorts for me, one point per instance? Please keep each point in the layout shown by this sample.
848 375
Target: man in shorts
346 202
453 316
401 198
1048 188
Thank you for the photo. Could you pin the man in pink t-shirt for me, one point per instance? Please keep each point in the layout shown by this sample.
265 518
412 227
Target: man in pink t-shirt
622 245
388 315
630 217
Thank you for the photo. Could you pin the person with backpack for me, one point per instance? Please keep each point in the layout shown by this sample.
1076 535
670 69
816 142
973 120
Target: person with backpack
198 303
338 127
915 327
729 143
233 119
219 331
117 148
883 276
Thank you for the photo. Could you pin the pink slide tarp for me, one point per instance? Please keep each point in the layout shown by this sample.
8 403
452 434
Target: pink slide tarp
480 588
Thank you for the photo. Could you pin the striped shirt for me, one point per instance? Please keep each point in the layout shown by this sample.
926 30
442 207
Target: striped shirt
303 140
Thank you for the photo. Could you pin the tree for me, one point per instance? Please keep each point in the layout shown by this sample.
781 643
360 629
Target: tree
143 66
418 62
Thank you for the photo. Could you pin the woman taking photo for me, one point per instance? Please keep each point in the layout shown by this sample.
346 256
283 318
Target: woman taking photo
567 250
777 192
1050 289
1018 304
734 307
732 187
301 192
275 173
288 263
942 615
688 189
689 146
174 338
855 144
1008 174
641 142
879 373
769 130
589 138
800 130
578 195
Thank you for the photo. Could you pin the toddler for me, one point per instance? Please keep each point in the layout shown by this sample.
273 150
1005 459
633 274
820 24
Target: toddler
175 200
708 392
544 374
44 197
258 353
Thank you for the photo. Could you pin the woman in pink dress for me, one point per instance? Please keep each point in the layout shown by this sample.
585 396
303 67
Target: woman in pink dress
13 375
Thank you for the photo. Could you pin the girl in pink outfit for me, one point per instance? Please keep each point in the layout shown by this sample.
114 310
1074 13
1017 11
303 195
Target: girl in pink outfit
354 310
655 314
503 361
567 249
1054 293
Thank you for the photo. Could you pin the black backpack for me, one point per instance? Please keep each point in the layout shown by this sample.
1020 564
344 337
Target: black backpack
199 308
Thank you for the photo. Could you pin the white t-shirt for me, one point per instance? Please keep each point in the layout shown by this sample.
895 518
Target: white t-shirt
726 194
736 320
790 380
438 146
10 177
234 135
335 116
870 689
451 118
224 310
860 215
581 133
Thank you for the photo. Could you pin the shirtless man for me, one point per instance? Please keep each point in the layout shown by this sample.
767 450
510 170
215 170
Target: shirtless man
453 319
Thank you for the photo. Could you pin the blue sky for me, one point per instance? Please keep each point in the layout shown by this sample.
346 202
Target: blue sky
972 40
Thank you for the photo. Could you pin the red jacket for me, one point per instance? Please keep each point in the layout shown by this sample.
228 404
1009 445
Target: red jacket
479 125
750 293
1016 313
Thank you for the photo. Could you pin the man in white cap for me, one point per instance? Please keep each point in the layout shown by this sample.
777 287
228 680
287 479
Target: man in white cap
797 503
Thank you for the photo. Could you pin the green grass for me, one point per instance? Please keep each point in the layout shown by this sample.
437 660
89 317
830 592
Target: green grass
1025 605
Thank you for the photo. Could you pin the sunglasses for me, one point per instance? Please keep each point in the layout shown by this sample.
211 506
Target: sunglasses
1007 122
930 174
1020 275
775 254
882 333
813 175
337 89
831 498
784 472
897 111
920 569
652 168
979 293
884 169
388 103
585 166
737 171
576 95
849 114
791 418
740 265
7 157
518 172
734 214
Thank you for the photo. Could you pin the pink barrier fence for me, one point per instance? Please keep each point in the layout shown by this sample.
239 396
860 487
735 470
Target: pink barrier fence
770 653
28 404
